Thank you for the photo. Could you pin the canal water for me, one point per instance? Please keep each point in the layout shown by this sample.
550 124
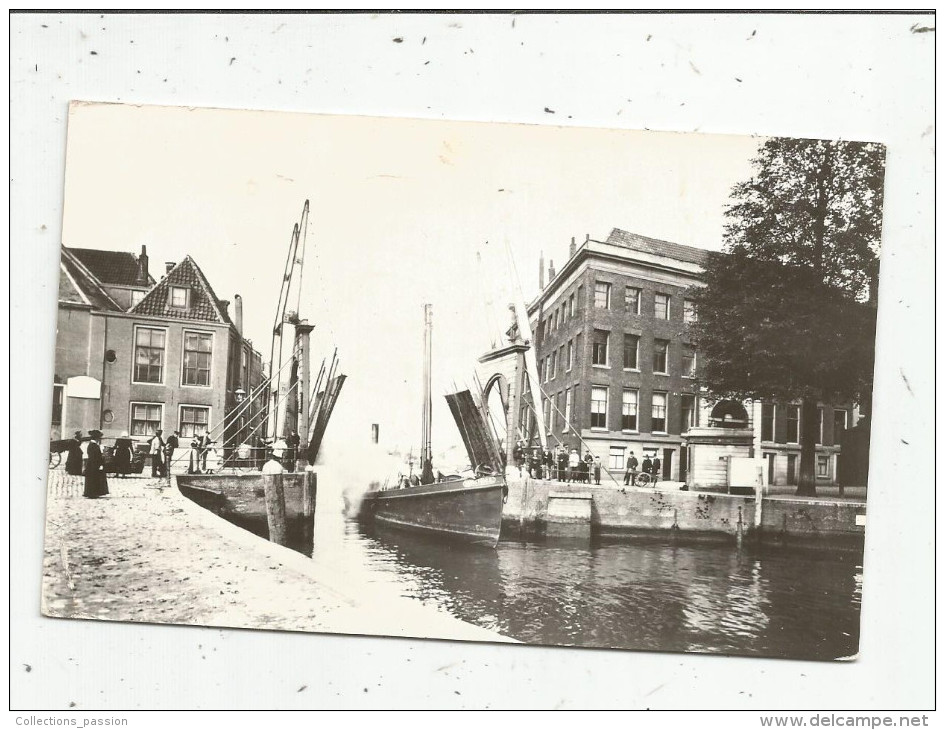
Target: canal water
646 595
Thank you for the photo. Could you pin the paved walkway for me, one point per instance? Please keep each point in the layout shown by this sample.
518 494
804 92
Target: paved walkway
146 553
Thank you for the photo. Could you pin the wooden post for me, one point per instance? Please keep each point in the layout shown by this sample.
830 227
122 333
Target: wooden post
309 488
275 507
302 332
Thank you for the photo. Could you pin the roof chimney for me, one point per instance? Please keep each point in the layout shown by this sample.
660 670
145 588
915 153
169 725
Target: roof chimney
143 265
551 270
168 265
541 271
587 237
572 248
238 312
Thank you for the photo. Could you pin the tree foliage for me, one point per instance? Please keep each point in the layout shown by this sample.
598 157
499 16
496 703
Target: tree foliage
813 203
768 330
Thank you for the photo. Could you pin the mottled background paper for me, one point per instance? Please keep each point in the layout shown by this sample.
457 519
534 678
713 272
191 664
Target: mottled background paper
835 76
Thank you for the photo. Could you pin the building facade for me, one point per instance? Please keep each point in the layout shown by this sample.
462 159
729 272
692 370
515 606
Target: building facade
619 374
134 354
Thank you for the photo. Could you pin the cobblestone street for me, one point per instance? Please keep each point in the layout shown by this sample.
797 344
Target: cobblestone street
144 553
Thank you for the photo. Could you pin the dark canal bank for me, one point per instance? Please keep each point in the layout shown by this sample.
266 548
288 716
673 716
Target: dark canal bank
651 594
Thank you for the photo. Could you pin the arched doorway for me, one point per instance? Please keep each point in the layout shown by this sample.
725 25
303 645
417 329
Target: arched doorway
728 414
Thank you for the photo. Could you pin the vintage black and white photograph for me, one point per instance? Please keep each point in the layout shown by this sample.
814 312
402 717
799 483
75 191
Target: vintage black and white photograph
484 382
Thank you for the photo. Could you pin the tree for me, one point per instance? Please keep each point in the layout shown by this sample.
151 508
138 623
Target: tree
788 311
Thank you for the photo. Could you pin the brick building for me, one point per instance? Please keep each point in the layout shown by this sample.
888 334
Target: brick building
617 368
134 354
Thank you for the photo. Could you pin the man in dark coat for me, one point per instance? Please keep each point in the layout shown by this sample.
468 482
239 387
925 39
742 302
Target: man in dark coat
292 454
95 482
562 464
655 470
588 462
74 458
647 464
173 441
630 478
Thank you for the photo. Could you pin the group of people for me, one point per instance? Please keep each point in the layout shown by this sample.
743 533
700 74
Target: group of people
563 465
650 467
558 464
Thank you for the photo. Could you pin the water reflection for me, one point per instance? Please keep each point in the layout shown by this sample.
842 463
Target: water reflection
648 595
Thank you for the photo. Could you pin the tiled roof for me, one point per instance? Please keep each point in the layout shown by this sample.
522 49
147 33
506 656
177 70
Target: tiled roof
202 305
112 267
654 246
77 285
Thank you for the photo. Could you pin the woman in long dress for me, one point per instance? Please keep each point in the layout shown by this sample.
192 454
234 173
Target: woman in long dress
121 457
95 483
74 457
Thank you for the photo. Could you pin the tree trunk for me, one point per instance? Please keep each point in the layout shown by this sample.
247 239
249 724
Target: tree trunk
807 480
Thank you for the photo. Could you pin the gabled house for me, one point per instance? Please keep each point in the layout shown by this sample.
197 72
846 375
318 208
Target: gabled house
134 354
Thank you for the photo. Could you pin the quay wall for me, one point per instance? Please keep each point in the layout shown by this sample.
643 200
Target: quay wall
689 515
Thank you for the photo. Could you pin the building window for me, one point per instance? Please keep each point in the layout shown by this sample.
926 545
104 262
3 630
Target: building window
178 297
661 306
599 352
839 424
658 424
571 306
820 425
547 367
793 424
554 364
194 420
570 355
136 296
660 348
767 421
547 412
244 367
580 296
598 407
823 466
688 412
631 352
146 418
631 297
616 458
628 412
689 311
602 295
688 362
57 398
197 353
149 355
567 409
551 413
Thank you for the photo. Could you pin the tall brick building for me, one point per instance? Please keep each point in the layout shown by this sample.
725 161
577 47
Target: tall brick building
617 368
134 354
